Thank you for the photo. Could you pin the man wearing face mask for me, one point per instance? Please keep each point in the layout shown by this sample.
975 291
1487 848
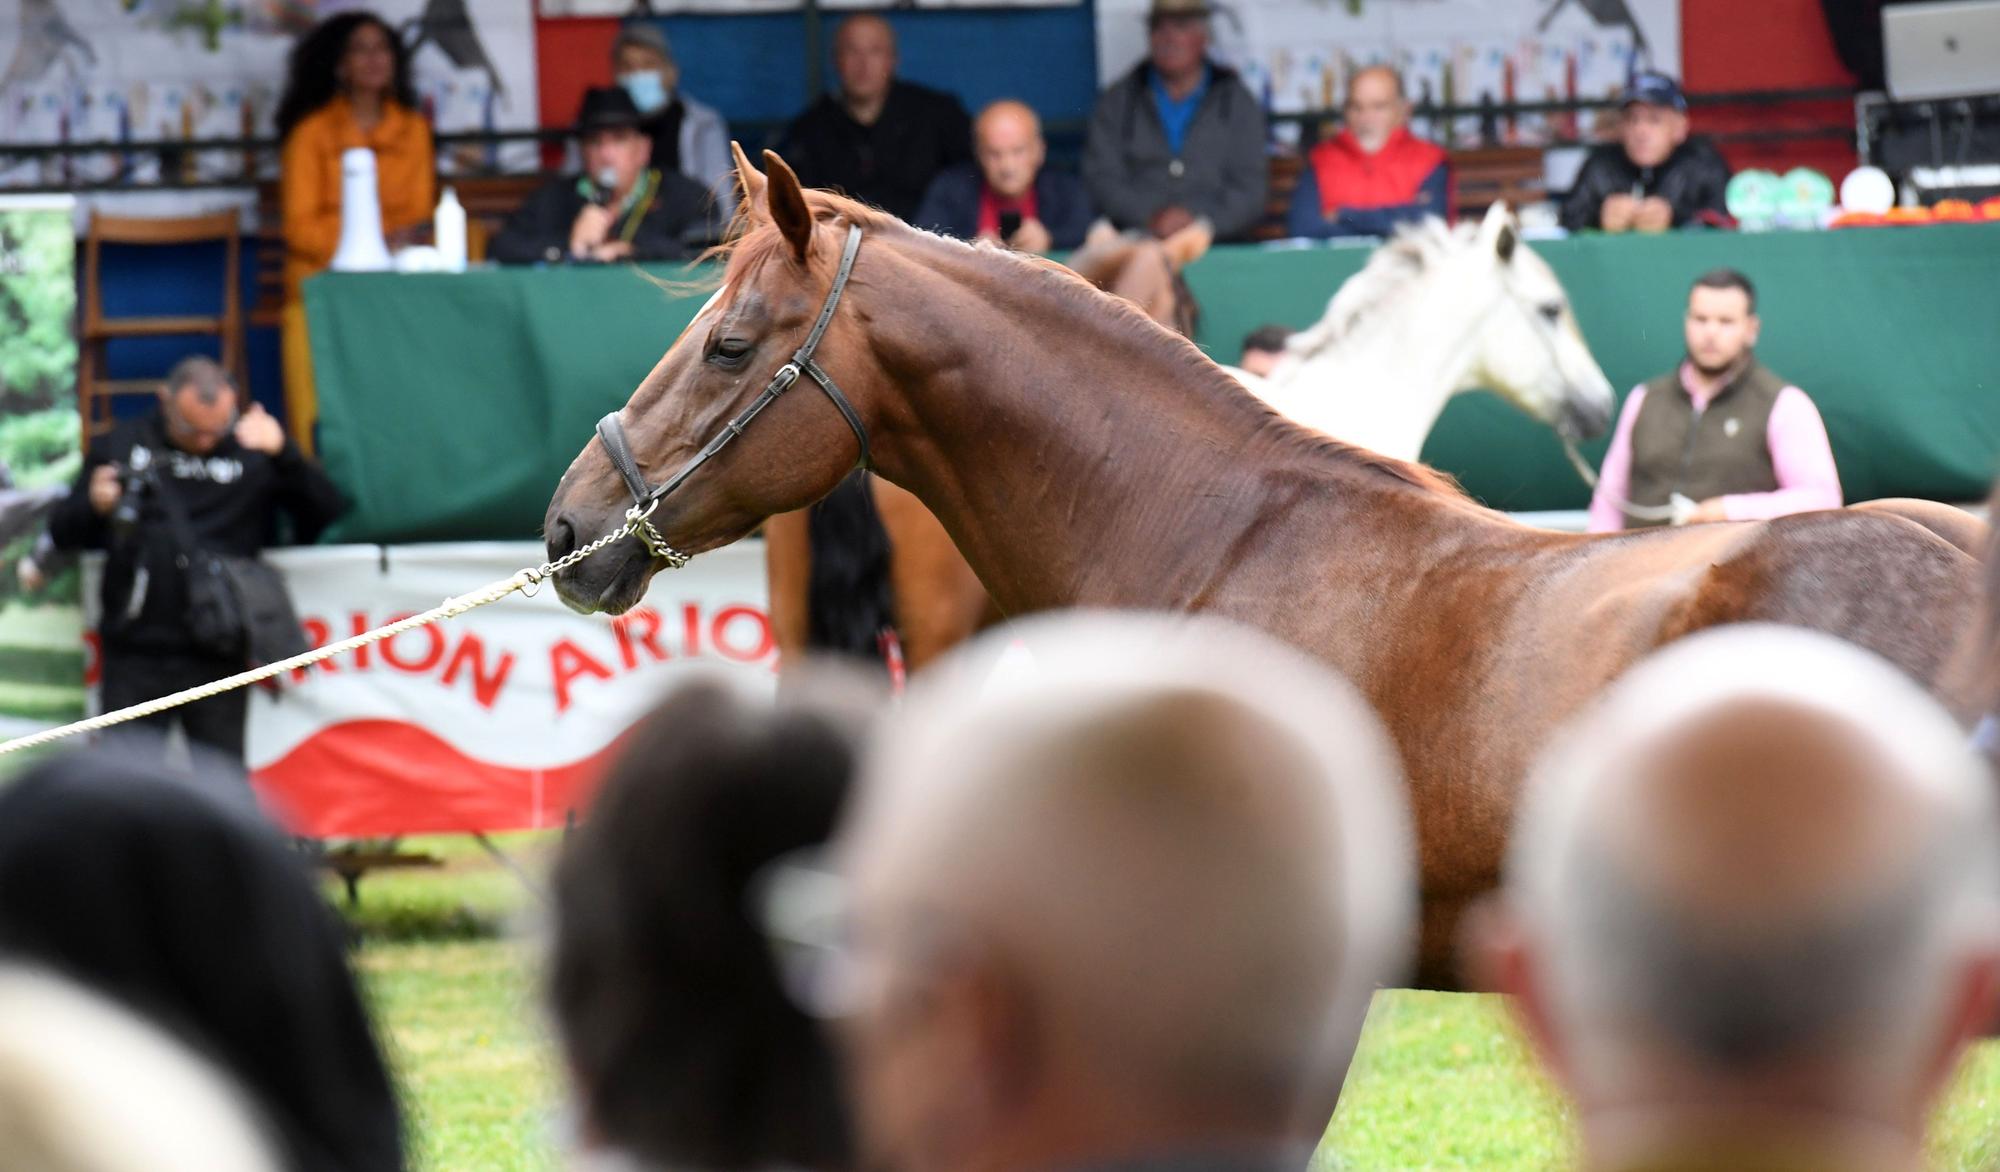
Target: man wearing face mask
621 208
228 471
688 136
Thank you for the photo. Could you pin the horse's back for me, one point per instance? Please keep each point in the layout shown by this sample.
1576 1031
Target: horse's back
1878 579
1963 530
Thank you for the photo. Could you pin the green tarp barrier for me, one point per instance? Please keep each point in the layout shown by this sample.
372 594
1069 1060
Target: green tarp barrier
451 404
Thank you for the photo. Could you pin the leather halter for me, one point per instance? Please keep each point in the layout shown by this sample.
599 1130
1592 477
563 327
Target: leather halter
646 497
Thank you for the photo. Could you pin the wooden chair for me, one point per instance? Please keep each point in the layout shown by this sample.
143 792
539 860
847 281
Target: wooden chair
1510 174
96 392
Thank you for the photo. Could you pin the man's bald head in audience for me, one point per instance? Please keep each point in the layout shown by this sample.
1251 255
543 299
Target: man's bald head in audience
1129 883
1759 877
1007 141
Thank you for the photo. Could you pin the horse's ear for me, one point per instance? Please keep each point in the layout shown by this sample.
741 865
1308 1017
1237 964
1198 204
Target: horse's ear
749 180
1187 245
789 210
1498 233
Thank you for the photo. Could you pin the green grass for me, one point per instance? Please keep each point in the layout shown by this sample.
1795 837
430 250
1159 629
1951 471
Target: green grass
1441 1081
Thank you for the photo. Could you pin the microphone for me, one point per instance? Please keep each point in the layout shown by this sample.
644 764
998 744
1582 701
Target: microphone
603 185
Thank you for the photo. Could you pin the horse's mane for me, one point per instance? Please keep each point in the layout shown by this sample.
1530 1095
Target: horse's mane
1391 271
755 240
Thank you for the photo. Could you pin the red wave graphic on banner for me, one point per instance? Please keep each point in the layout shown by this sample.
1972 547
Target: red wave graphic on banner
384 778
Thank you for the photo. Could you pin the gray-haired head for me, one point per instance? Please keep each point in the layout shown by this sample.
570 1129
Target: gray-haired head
1180 847
1764 851
205 377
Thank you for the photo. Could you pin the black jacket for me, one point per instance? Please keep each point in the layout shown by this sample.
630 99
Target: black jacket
232 498
1692 179
951 206
889 164
677 222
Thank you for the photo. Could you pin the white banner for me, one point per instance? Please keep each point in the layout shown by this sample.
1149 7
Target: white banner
499 719
1298 54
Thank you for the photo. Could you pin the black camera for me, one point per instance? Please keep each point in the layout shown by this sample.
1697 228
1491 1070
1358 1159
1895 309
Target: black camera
133 485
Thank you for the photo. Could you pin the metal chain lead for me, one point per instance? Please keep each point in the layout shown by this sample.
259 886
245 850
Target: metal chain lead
525 581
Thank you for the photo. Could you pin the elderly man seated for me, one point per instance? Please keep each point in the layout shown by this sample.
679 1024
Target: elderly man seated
1654 177
1007 195
620 208
1122 887
1749 911
1374 174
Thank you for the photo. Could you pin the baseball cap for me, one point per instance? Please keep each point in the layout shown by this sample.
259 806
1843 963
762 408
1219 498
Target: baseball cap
1655 89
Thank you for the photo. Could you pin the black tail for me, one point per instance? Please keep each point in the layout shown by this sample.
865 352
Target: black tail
849 603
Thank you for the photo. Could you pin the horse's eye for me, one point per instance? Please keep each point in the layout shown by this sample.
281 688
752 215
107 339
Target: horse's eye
1552 311
730 351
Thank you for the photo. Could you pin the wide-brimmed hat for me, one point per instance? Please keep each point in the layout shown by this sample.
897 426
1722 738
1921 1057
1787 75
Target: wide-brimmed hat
1178 9
607 107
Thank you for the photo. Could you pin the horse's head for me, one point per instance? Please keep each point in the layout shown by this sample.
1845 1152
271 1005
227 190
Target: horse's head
1527 348
740 346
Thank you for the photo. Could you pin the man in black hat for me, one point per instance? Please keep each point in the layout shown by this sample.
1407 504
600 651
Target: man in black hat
620 208
1654 177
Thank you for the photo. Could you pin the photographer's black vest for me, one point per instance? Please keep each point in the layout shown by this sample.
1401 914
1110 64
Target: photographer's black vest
1722 449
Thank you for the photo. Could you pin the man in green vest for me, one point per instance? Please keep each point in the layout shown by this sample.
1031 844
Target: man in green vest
1720 438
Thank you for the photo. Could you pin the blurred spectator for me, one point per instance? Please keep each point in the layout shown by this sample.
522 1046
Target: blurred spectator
1374 174
1008 197
348 86
1987 734
1178 138
880 140
1749 907
1721 430
667 999
1060 816
230 473
1654 177
172 895
688 137
88 1087
618 209
1262 347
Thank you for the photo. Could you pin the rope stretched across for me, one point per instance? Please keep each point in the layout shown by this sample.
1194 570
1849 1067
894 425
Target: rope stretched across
524 579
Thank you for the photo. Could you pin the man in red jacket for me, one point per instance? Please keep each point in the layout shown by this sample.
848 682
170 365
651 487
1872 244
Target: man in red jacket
1375 174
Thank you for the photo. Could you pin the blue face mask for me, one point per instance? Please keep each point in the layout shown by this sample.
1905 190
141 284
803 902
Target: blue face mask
648 91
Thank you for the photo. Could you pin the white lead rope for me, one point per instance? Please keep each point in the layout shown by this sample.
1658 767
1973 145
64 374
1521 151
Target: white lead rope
523 580
1675 512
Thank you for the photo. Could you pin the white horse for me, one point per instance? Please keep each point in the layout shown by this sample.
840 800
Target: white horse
1436 311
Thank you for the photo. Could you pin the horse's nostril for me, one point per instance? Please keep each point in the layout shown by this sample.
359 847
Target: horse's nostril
561 537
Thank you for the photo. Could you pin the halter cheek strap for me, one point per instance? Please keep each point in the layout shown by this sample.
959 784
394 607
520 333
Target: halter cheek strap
646 497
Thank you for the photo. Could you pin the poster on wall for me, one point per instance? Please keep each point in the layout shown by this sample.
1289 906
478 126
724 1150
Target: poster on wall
115 71
41 645
1298 54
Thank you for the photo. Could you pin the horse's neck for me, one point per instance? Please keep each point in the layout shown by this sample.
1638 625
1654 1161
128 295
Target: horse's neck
1052 438
1383 386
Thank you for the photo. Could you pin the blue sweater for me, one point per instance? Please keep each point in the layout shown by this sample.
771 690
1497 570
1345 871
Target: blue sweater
951 205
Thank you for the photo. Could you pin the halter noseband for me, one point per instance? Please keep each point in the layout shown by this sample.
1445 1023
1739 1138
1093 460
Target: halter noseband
646 497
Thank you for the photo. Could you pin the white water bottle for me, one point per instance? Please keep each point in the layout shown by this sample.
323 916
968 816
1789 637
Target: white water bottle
362 248
448 228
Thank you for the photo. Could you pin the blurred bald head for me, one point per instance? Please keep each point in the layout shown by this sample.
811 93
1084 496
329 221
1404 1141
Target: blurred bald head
1074 808
1007 140
1762 872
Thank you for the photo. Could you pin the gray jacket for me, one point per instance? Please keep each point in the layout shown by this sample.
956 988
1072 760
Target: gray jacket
705 154
1222 171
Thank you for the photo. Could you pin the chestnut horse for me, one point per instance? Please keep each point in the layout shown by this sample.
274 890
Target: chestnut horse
869 556
1080 455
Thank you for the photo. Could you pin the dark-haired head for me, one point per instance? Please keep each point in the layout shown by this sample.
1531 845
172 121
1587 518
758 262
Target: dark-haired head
321 67
173 895
684 1046
1729 279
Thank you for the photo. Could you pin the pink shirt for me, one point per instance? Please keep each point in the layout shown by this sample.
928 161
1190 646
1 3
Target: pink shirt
1800 455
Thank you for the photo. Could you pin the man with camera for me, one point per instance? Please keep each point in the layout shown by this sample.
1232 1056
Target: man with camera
197 480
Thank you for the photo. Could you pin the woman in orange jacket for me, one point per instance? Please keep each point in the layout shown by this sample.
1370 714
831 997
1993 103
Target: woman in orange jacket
349 86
